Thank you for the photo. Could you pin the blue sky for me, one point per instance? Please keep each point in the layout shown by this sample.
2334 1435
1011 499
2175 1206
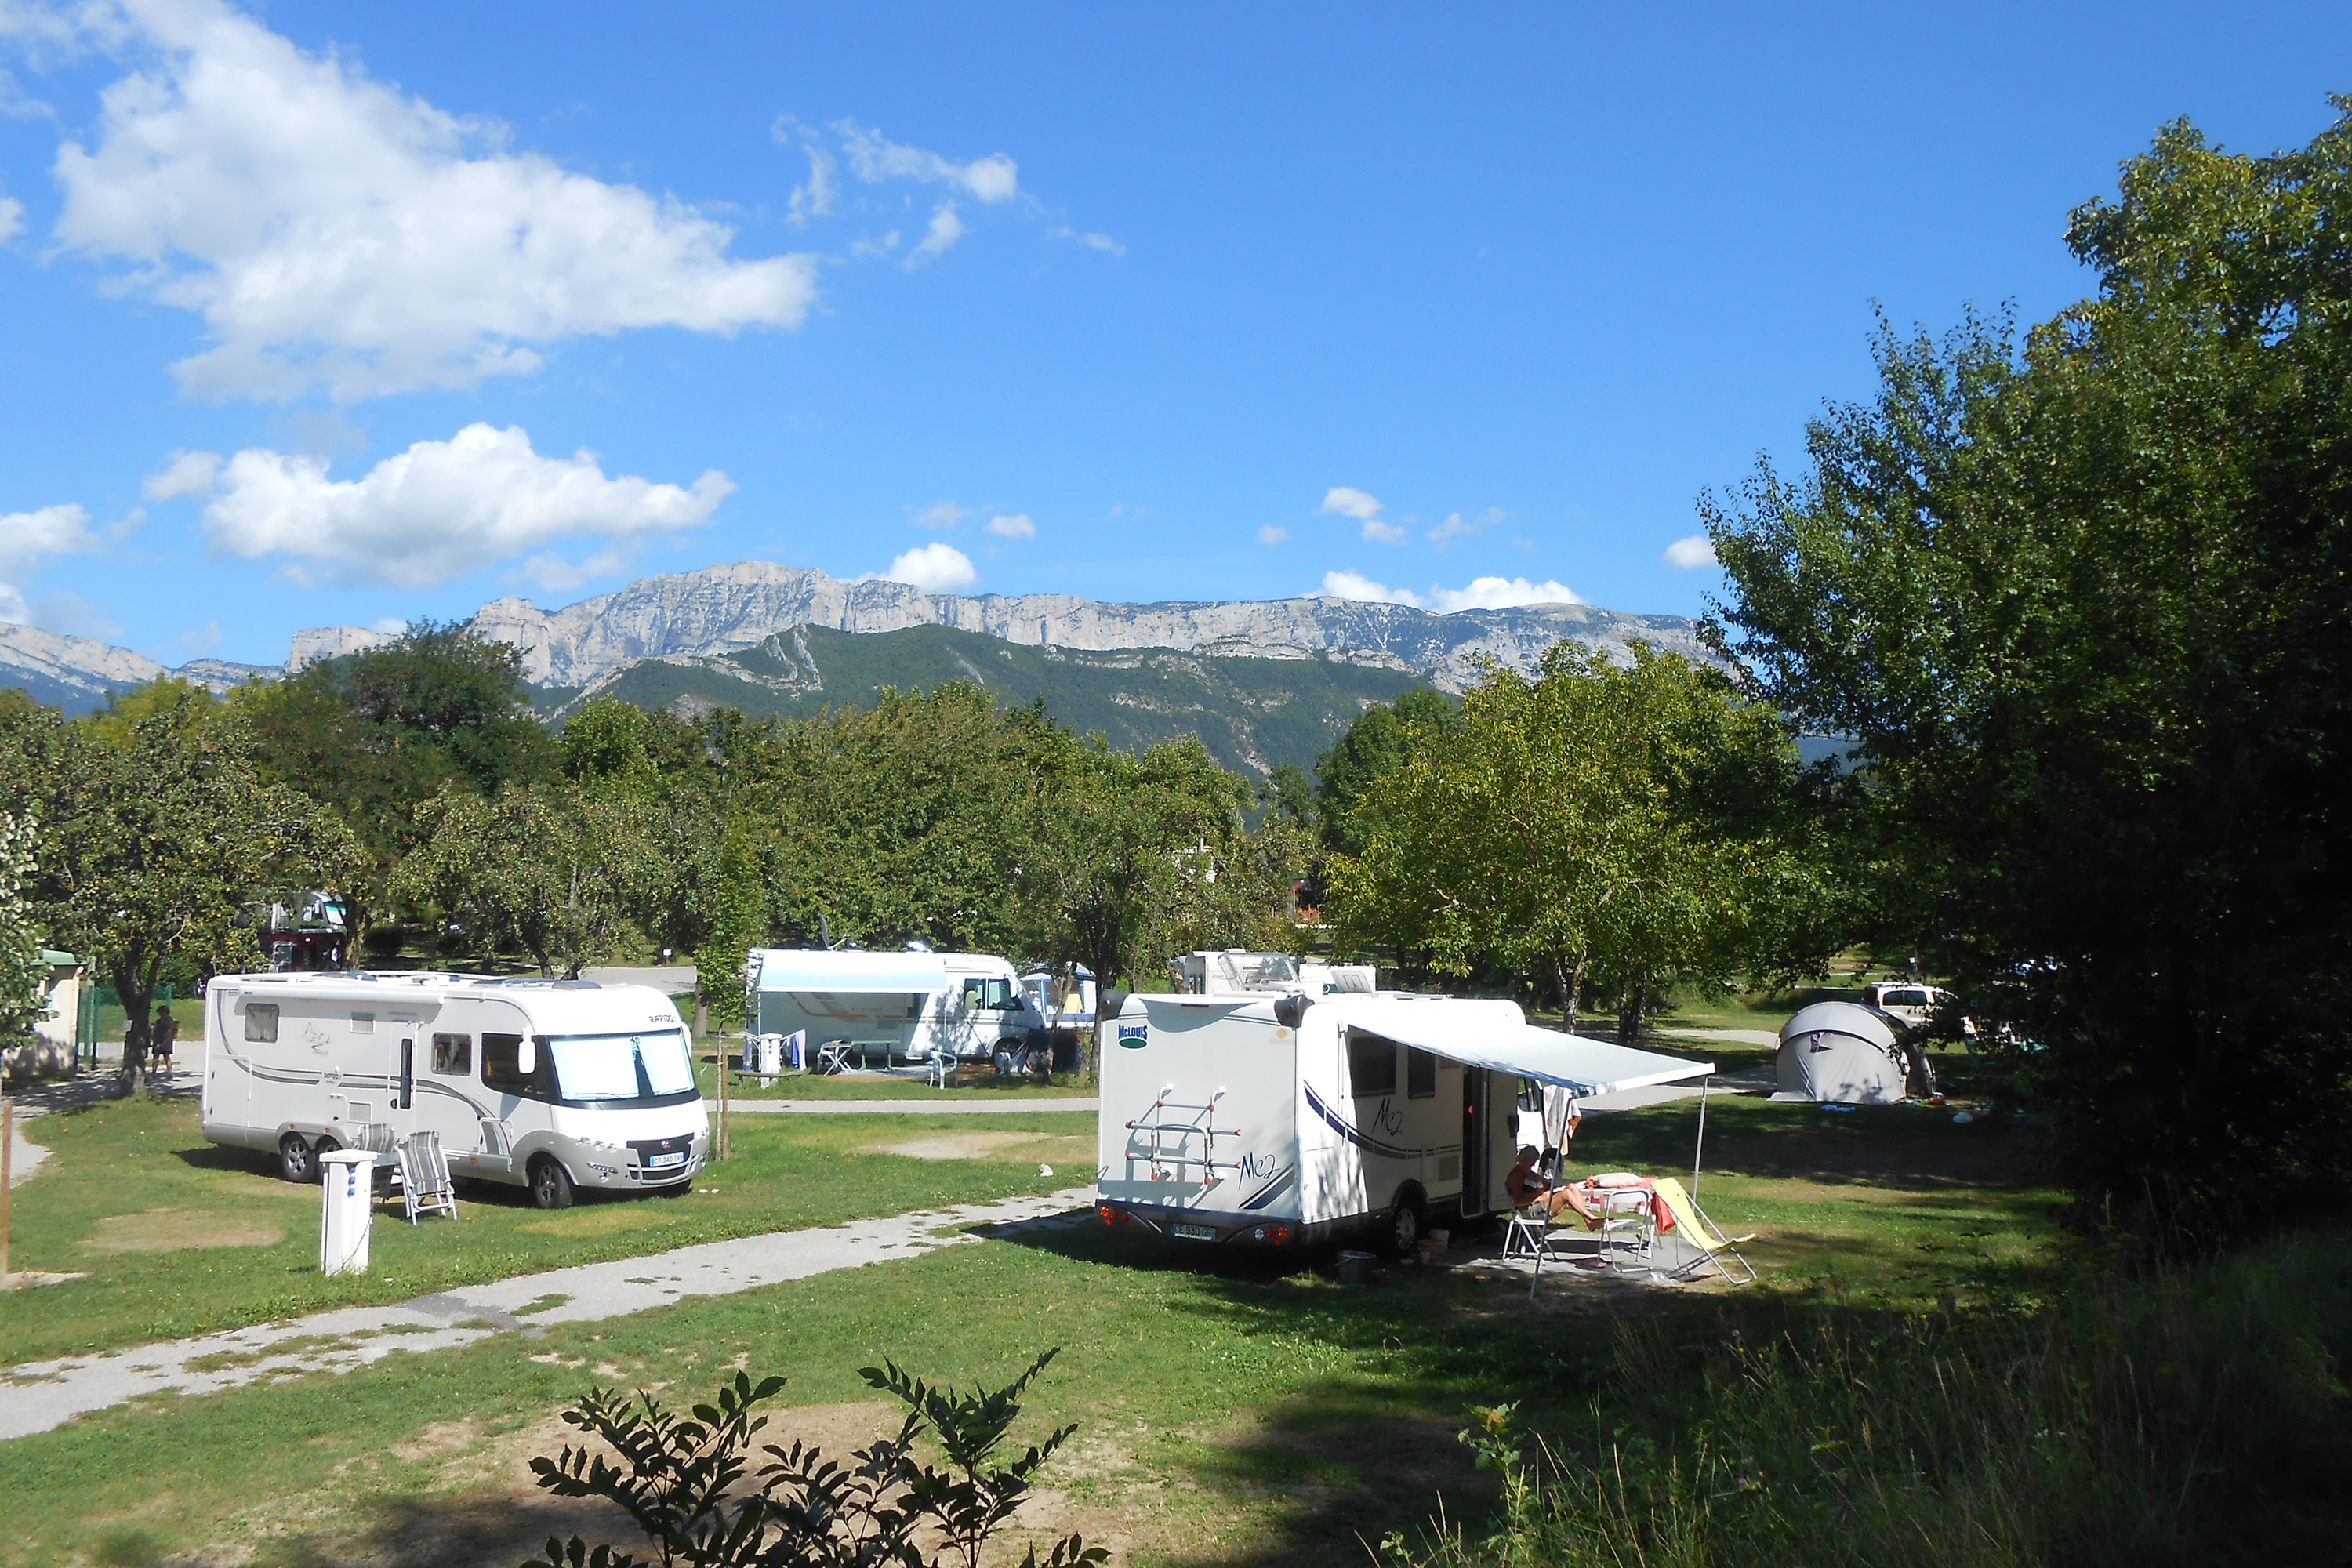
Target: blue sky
308 314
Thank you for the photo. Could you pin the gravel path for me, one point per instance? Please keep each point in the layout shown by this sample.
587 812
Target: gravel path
39 1395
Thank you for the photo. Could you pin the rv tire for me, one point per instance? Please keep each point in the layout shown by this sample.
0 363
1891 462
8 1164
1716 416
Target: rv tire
1404 1227
296 1160
550 1183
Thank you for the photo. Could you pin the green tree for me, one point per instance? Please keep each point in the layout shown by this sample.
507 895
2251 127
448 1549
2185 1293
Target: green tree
554 869
735 926
1630 823
160 839
378 735
21 970
2086 610
1376 743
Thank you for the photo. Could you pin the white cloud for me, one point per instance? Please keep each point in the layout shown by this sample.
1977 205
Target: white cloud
187 474
1686 555
1354 586
941 514
11 219
1270 535
1457 526
26 537
1344 501
389 626
867 249
338 235
945 231
201 641
1101 242
1017 526
1347 502
813 198
439 510
1501 594
1483 593
938 567
874 158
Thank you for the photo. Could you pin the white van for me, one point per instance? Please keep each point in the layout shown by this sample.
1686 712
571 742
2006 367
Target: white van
553 1085
884 1009
1289 1120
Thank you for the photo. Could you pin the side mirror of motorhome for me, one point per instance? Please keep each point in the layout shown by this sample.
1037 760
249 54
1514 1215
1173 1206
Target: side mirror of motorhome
527 1057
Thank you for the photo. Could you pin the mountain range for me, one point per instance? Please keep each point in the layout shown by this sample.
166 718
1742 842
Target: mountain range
774 639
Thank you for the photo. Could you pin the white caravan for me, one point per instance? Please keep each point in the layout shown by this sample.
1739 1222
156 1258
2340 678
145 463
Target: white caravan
1289 1120
551 1085
883 1008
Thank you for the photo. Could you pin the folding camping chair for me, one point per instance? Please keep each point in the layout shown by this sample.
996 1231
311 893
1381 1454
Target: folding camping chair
943 1064
1692 1224
833 1056
1528 1234
425 1184
1629 1220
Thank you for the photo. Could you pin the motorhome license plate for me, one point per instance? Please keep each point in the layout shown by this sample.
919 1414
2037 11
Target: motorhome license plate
1192 1233
660 1160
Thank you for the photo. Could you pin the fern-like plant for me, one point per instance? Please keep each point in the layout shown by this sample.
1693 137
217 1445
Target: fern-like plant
681 1478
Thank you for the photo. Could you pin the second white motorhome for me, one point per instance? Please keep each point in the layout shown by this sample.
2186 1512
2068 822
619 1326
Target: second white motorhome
552 1085
1289 1120
886 1008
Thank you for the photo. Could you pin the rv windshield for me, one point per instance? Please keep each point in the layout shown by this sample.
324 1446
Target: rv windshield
620 1067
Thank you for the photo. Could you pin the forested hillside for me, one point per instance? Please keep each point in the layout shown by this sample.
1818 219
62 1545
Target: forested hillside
1253 714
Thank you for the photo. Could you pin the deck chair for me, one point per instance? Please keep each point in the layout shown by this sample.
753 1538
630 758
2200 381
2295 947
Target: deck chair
425 1184
1529 1234
1692 1224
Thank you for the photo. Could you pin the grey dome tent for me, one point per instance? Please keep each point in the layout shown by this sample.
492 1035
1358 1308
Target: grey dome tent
1847 1055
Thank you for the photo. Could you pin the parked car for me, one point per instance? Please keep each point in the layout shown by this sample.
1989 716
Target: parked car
1917 1005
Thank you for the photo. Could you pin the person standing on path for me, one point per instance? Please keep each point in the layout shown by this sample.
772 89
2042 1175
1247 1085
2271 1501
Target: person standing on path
166 1029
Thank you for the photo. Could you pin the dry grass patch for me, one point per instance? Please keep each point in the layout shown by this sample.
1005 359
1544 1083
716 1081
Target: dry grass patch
176 1231
1022 1146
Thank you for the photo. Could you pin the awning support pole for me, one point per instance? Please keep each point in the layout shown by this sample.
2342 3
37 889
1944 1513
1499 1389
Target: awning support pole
1700 1146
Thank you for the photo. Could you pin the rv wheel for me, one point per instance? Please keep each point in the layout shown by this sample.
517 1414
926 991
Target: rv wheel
296 1160
550 1183
1405 1227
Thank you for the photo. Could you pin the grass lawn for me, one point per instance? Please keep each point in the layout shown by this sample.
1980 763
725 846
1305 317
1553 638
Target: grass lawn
1231 1408
974 1083
175 1236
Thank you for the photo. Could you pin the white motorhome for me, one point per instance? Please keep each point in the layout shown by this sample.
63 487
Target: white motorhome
1289 1120
552 1085
888 1008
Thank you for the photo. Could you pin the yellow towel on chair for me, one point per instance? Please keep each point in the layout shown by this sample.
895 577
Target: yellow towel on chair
1687 1222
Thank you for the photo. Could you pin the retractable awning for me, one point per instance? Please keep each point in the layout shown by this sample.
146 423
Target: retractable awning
851 973
1496 1035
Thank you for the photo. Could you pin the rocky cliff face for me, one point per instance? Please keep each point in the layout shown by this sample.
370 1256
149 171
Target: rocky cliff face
724 609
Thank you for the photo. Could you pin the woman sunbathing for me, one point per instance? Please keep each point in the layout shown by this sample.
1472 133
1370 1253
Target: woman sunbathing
1527 1185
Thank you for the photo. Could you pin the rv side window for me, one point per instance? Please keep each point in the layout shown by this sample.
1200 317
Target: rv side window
362 1023
1420 1075
502 1066
989 996
453 1053
261 1022
1371 1065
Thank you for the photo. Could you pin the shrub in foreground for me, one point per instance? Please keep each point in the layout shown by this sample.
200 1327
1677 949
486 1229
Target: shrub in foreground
681 1480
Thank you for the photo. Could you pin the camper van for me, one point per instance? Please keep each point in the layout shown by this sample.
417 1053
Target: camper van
553 1085
1289 1120
885 1009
